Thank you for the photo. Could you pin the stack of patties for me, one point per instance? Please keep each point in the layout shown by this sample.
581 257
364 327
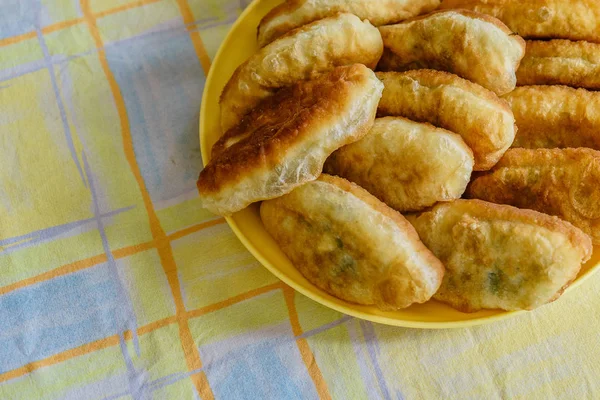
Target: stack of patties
406 139
554 167
284 112
556 105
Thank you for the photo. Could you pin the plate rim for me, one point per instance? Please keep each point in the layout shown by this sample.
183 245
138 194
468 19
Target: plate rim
299 288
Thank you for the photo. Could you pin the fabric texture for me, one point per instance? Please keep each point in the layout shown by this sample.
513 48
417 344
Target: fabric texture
116 284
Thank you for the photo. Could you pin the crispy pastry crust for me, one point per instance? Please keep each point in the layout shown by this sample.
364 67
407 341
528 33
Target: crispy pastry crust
295 13
560 62
407 165
498 256
286 139
474 46
541 19
560 182
555 116
484 121
360 249
312 49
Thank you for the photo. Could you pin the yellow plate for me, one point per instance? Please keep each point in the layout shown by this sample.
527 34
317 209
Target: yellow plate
237 47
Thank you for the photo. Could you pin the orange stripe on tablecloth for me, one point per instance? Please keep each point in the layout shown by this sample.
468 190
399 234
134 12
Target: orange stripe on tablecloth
124 7
76 267
101 258
195 228
124 121
188 18
64 356
65 24
17 39
83 349
303 346
60 271
190 349
151 327
165 251
61 25
143 330
233 300
131 250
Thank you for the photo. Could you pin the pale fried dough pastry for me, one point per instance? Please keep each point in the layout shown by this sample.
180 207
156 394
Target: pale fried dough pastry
484 121
286 139
555 116
407 165
498 256
311 49
561 182
471 45
351 245
295 13
560 62
541 19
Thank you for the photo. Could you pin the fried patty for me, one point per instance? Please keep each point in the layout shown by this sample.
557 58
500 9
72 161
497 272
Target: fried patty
484 121
286 139
351 245
474 46
498 256
408 165
314 48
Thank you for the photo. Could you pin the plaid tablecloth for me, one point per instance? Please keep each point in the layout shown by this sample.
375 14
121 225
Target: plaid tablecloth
115 283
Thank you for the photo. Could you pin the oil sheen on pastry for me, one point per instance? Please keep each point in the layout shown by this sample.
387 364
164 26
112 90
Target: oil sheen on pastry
560 62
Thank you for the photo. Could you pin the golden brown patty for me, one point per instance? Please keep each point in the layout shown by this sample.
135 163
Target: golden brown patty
302 53
286 139
560 62
561 182
295 13
472 45
541 19
348 243
407 165
555 116
484 121
498 256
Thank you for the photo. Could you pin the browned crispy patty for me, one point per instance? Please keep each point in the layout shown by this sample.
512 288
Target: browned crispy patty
408 165
472 45
555 116
315 48
484 121
560 62
286 139
294 13
498 256
351 245
541 19
561 182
